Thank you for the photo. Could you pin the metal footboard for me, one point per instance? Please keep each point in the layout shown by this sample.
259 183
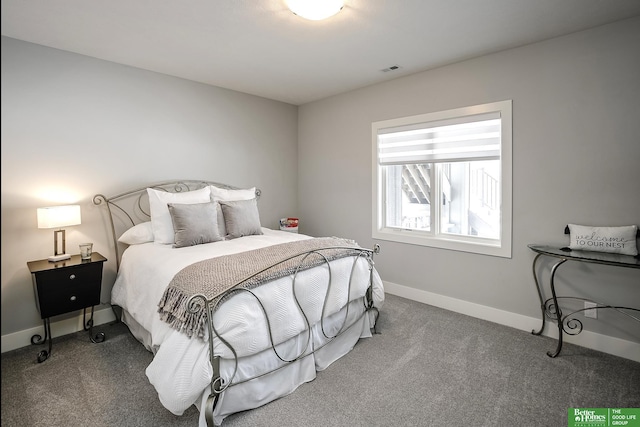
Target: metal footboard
197 302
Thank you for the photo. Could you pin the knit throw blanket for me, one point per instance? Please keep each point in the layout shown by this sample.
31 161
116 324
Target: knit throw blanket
213 277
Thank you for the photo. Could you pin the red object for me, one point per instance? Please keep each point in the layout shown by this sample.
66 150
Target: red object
289 222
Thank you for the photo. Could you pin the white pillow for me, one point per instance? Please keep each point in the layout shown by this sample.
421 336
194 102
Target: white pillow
161 219
617 240
138 234
227 195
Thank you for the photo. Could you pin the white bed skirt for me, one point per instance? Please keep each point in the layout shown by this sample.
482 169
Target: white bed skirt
252 389
285 380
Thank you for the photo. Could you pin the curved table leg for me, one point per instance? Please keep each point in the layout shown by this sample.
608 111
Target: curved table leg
557 308
37 339
88 326
542 306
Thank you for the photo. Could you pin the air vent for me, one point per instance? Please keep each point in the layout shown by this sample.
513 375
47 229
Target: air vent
392 68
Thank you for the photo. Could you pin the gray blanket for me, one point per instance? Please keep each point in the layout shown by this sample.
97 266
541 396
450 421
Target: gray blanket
213 277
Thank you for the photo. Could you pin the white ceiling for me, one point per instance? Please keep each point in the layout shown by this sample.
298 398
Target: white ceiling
261 48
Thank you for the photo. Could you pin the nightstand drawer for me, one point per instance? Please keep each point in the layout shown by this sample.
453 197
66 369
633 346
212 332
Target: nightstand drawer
63 290
64 299
70 276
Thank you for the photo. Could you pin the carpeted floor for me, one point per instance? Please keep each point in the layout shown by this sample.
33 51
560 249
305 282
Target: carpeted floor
428 367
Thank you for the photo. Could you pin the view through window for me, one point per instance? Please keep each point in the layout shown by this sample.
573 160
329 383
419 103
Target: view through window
440 179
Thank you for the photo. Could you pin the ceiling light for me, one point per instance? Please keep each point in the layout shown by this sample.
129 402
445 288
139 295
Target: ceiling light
315 10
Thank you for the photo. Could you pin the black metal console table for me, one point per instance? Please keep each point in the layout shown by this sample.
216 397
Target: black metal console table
568 324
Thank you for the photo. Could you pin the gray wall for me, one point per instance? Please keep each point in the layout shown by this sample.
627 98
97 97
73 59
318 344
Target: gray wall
73 126
576 154
79 126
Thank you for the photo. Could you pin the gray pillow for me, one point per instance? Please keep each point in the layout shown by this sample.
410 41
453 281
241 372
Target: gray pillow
241 218
194 224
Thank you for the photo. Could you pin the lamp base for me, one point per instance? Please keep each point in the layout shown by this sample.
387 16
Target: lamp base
56 258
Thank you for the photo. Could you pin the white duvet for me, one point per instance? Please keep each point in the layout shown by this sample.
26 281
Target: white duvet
181 370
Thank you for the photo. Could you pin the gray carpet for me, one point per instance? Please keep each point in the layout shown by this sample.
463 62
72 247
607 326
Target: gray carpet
428 367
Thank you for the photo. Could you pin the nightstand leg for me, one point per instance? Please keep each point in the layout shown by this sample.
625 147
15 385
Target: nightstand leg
88 326
37 339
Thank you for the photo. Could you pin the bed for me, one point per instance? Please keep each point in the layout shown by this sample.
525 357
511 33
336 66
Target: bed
236 314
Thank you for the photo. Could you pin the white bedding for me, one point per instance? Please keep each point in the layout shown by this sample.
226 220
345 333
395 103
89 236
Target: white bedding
181 370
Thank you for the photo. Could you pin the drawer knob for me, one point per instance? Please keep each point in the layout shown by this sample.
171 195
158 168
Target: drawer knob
73 298
73 276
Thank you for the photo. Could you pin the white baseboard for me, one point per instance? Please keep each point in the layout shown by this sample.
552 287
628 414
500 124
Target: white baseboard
68 326
606 344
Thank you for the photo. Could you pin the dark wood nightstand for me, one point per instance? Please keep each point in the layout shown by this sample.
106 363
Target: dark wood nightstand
66 286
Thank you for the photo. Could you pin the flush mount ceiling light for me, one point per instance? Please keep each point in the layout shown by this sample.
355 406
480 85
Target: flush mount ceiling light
315 10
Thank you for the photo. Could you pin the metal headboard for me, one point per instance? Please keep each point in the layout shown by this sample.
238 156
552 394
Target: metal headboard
132 207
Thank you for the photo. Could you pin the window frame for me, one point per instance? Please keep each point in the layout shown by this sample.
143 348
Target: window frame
434 238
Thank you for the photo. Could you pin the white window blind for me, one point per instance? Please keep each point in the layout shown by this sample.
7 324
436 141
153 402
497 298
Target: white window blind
466 138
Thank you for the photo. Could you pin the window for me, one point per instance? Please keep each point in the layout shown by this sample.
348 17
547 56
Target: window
444 179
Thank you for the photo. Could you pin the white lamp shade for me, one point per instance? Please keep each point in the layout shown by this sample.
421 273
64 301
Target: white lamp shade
58 216
315 10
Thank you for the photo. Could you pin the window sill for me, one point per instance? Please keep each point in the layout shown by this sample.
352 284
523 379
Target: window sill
443 242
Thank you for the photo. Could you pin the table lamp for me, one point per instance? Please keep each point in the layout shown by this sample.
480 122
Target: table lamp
58 217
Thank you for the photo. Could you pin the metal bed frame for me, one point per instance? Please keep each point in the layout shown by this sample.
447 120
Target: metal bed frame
130 208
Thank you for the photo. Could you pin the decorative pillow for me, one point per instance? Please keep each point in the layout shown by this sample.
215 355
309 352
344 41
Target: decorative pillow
194 224
617 240
225 195
160 217
241 218
138 234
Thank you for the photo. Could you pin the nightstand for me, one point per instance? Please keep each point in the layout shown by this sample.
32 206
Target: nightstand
66 286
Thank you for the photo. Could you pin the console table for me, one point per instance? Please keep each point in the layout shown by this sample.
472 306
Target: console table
568 324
